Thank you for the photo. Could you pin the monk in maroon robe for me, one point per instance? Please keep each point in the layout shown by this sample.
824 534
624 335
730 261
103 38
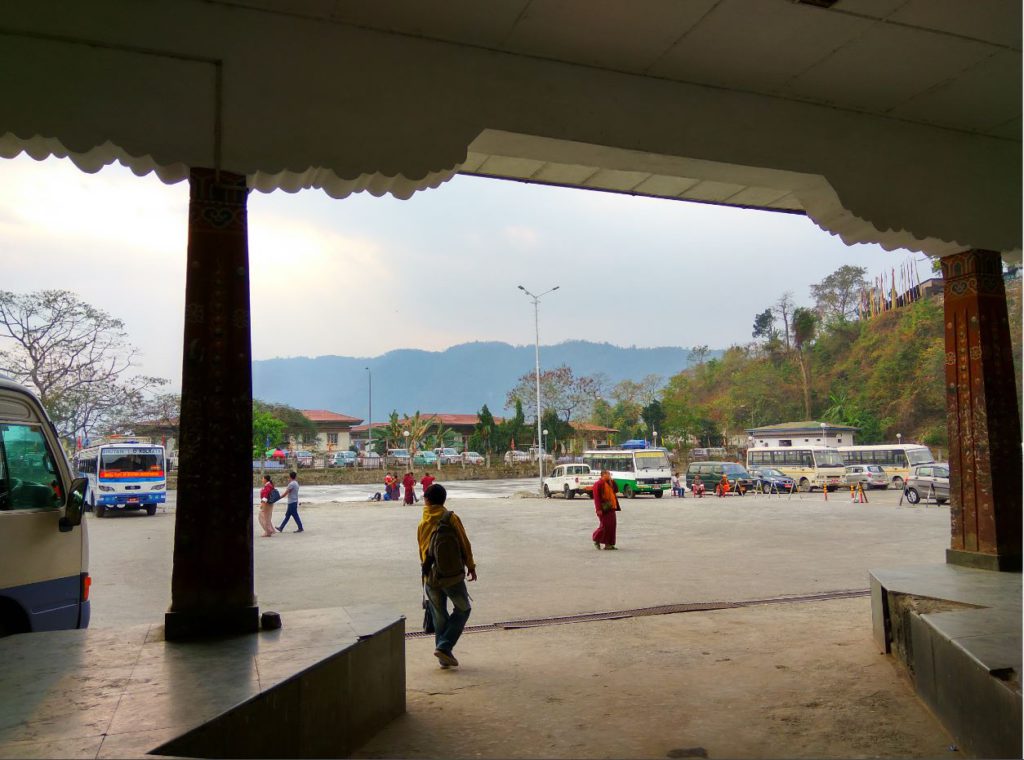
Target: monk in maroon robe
606 504
410 484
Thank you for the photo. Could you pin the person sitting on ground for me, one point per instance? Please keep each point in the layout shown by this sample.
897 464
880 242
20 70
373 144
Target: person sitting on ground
723 487
697 487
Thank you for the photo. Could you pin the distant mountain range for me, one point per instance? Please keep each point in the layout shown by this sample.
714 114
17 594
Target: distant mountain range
458 381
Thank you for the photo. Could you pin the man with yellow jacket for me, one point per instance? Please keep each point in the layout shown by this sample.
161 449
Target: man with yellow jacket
446 559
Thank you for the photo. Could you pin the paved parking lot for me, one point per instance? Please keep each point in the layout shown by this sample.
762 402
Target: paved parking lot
769 680
535 556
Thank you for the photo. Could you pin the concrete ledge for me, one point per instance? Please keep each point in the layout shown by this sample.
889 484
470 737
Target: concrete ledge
317 687
958 632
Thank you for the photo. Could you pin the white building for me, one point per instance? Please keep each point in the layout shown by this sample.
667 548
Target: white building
799 433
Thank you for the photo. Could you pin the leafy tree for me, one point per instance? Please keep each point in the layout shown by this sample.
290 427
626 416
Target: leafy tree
560 432
654 417
764 326
417 426
837 295
295 422
265 427
483 434
76 357
804 325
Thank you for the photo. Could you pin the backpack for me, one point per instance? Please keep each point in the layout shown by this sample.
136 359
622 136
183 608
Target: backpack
444 554
273 496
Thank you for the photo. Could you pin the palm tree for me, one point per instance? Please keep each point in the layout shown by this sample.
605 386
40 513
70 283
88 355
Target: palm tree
417 428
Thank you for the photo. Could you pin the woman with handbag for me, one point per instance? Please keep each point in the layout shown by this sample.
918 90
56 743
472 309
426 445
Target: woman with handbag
267 507
606 504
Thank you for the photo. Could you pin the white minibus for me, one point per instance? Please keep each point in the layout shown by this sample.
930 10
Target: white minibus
123 473
633 470
44 549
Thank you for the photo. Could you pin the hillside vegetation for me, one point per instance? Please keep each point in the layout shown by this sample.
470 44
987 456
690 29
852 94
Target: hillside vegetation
884 375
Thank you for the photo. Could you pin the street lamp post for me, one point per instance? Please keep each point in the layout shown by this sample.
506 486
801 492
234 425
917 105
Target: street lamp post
654 435
899 438
536 356
369 409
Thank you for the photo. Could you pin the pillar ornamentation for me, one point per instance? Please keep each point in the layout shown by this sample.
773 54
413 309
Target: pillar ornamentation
981 415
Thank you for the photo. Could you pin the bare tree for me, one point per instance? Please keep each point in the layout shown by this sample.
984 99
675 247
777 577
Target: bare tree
784 308
561 391
698 354
75 356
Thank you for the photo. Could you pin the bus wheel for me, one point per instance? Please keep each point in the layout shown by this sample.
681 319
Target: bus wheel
805 485
628 492
897 483
100 510
151 509
657 494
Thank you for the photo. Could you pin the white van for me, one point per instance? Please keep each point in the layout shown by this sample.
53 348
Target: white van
44 547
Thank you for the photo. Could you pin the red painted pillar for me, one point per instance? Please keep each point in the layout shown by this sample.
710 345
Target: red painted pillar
981 415
212 579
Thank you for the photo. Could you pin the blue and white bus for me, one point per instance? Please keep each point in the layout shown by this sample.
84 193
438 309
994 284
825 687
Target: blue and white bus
123 473
44 546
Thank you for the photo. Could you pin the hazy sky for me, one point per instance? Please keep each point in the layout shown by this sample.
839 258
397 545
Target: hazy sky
365 275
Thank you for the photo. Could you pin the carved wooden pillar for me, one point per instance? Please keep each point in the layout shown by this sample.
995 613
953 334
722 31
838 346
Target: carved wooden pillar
212 580
981 415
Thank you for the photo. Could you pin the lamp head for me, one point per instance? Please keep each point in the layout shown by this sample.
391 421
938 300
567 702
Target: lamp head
554 288
520 287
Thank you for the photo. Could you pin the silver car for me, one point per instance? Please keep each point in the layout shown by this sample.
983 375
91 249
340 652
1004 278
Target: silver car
928 481
871 475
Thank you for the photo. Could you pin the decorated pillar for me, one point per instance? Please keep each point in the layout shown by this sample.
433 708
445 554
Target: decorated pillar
981 415
212 580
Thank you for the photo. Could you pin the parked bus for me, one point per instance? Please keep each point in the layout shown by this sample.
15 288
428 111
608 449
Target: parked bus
810 466
123 474
896 460
44 549
633 470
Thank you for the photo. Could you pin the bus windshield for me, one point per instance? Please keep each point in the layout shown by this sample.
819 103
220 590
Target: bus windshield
920 456
828 458
132 463
651 460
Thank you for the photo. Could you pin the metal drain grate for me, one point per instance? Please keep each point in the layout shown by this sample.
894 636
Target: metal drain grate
663 609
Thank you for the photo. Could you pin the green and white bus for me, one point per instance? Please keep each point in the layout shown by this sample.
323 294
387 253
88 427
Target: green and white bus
810 466
633 470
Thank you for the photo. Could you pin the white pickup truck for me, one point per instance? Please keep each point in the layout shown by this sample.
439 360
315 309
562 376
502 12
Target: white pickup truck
569 480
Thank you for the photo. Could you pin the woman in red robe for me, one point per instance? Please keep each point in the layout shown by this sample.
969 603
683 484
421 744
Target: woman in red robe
606 505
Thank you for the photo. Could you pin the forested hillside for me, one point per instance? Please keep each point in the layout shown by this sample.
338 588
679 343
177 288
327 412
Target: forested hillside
883 374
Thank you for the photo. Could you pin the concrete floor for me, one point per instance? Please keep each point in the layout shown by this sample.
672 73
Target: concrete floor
767 681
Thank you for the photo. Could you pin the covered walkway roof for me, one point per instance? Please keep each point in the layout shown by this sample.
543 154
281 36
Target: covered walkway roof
888 121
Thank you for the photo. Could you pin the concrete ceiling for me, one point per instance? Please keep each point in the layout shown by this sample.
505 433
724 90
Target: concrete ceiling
946 63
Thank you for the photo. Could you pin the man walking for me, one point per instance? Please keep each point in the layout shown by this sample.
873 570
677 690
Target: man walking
606 505
292 494
446 559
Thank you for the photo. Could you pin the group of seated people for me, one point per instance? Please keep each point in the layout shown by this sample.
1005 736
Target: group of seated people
722 487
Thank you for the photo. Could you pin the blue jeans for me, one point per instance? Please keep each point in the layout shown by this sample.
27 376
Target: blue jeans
448 627
293 511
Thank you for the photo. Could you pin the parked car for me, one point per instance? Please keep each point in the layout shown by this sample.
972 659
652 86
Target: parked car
448 455
928 481
342 459
304 458
770 480
711 473
871 475
398 457
569 480
425 459
471 457
516 456
370 459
